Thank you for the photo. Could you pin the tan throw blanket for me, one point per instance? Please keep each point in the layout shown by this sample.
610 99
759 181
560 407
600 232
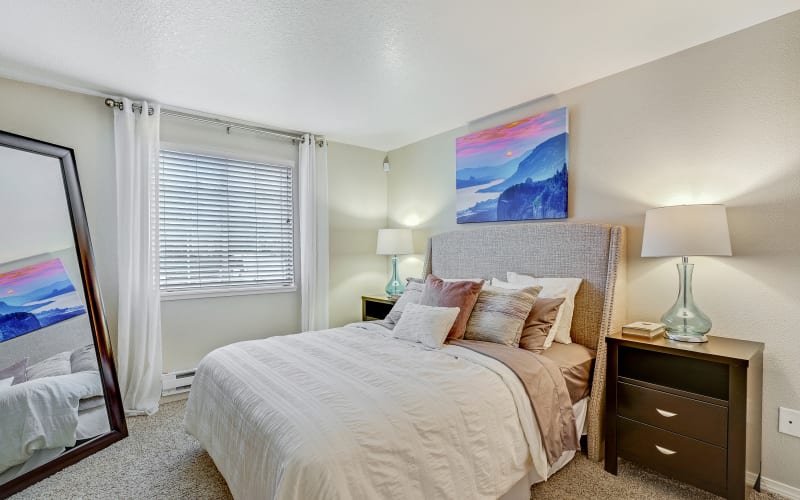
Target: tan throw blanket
546 390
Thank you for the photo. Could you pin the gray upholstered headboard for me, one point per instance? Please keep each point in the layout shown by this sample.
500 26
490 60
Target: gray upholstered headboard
594 252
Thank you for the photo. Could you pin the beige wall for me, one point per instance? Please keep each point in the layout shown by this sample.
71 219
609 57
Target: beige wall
715 123
357 197
83 123
193 327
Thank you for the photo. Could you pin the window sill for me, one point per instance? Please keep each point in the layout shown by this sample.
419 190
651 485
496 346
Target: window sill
225 292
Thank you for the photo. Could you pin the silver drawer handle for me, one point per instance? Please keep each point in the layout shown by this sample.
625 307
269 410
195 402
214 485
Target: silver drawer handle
665 413
665 451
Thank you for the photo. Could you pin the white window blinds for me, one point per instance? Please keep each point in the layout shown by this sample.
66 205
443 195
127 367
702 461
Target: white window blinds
224 224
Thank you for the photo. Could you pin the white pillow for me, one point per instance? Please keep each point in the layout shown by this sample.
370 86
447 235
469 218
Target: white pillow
425 324
412 295
53 366
6 382
554 288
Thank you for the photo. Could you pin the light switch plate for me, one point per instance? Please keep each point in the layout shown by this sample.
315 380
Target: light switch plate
789 421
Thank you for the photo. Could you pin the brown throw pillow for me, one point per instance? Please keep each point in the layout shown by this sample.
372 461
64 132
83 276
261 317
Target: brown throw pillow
539 322
461 294
17 371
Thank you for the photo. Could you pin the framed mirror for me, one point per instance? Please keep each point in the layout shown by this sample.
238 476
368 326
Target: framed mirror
59 396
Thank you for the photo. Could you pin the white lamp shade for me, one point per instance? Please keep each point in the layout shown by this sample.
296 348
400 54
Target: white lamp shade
394 242
686 230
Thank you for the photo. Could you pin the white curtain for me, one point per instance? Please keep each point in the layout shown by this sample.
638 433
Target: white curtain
313 187
139 357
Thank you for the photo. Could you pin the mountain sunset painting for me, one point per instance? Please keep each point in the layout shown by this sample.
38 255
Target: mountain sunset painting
517 171
36 296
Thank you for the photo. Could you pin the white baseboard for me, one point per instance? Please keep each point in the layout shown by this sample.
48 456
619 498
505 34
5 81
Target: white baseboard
771 486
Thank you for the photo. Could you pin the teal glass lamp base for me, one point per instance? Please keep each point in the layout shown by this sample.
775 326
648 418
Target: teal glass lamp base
395 287
681 337
684 321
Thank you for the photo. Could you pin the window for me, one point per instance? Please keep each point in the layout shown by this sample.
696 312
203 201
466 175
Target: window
225 225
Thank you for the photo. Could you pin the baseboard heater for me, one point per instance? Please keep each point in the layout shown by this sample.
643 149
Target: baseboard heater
176 382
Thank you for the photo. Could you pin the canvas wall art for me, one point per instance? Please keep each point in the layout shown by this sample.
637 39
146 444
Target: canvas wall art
36 296
517 171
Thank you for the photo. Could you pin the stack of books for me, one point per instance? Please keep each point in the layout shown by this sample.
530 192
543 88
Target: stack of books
644 329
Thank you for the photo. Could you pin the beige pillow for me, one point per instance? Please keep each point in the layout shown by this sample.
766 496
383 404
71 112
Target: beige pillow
425 324
499 315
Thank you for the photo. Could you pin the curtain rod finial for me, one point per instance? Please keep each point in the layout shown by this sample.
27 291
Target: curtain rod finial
111 103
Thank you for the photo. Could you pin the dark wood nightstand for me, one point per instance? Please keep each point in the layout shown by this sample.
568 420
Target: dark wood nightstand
373 308
689 411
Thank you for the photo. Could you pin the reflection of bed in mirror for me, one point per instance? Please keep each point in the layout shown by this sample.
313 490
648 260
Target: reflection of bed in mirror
59 400
58 405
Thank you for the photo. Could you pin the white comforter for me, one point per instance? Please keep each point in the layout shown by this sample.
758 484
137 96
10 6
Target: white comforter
42 414
353 413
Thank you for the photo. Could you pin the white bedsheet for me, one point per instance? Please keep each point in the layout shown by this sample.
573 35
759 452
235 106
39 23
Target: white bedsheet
41 414
350 413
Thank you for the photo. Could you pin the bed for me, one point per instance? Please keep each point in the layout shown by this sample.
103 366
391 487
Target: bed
352 413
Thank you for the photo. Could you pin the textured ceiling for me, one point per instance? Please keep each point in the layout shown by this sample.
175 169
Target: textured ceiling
374 73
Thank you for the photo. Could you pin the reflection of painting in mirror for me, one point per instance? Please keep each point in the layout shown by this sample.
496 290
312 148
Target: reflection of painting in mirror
36 296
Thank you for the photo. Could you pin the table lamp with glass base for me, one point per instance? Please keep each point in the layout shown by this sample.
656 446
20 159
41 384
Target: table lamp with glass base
394 242
685 321
680 231
395 287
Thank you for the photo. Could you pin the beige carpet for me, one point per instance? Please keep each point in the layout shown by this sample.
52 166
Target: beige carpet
160 461
157 460
583 479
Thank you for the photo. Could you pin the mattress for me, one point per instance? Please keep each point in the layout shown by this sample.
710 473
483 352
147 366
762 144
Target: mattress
576 363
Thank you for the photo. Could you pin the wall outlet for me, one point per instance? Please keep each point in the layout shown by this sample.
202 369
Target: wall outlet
789 421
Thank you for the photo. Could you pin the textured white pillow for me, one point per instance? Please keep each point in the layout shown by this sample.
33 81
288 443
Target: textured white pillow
425 324
412 295
554 288
6 382
53 366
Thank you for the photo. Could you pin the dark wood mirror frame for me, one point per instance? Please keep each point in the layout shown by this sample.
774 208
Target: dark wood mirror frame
108 373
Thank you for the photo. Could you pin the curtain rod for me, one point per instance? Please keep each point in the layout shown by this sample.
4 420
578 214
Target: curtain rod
111 103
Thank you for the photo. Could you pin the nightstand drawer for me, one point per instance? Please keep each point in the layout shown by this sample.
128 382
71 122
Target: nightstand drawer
683 458
689 417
